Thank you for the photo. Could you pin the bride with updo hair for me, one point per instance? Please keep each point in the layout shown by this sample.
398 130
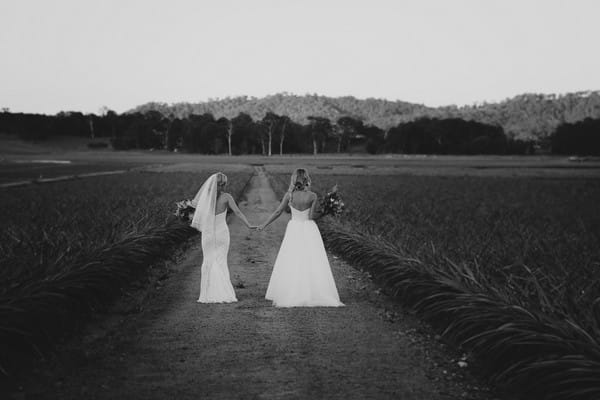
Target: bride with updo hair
301 275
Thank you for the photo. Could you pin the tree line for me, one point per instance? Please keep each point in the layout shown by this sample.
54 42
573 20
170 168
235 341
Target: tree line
528 116
271 134
581 138
311 123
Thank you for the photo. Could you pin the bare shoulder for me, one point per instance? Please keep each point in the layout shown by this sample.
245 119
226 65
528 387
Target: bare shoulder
224 198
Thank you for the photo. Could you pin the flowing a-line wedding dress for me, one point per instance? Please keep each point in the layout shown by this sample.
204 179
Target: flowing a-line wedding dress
215 283
302 276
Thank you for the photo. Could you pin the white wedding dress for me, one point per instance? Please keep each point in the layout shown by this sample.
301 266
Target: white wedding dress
215 283
302 276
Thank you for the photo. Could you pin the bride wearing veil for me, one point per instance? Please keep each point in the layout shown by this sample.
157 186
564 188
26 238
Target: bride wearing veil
210 218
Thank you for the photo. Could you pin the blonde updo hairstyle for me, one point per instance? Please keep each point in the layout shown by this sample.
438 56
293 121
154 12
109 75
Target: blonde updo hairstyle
300 180
221 180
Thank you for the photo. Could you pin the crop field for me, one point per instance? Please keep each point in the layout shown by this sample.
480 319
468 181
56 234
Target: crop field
64 246
505 227
502 255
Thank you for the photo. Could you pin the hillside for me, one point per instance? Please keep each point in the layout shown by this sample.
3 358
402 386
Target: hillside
527 116
298 108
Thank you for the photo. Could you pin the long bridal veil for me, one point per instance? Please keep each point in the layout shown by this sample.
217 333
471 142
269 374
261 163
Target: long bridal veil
204 218
204 202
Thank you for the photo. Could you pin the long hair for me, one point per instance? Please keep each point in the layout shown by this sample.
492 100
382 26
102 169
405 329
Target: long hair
300 180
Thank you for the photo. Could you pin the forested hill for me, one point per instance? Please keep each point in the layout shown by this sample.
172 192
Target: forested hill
527 116
383 113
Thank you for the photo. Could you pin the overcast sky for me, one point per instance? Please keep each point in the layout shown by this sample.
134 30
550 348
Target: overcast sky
84 54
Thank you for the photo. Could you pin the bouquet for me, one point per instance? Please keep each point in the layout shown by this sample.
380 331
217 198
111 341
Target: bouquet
332 203
185 210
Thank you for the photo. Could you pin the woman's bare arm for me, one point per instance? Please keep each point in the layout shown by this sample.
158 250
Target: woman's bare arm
233 206
277 212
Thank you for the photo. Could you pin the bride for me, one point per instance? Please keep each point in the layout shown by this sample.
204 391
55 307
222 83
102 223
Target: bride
210 217
301 276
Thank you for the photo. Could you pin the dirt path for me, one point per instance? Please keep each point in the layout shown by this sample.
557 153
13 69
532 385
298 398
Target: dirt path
179 349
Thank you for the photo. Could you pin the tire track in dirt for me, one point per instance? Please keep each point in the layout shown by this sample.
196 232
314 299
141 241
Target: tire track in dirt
177 348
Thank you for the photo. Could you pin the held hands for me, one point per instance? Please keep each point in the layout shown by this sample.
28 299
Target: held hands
256 227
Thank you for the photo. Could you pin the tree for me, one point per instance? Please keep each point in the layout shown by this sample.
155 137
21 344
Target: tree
213 133
446 136
194 137
175 136
285 120
71 123
270 121
319 129
91 122
157 126
260 135
167 142
229 129
245 133
374 139
337 132
112 118
345 128
580 138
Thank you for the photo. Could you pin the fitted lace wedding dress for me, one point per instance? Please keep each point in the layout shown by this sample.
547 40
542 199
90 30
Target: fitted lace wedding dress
215 283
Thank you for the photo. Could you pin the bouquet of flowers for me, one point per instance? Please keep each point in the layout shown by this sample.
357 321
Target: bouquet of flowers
332 203
185 210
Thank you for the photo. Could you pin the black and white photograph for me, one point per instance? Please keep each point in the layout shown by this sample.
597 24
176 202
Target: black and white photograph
318 199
